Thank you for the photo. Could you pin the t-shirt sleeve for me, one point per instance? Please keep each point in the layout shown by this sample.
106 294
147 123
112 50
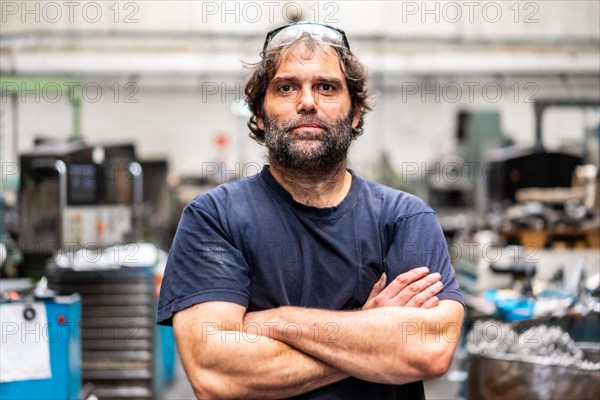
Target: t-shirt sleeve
419 242
203 265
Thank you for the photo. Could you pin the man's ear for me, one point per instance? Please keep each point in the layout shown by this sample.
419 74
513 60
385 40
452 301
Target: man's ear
355 117
260 123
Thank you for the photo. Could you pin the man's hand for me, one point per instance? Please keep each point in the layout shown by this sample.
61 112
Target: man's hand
415 288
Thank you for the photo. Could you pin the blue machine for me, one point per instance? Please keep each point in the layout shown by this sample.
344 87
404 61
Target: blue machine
124 352
164 367
64 340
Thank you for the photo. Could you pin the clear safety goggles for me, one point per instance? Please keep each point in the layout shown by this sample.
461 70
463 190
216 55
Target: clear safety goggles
323 33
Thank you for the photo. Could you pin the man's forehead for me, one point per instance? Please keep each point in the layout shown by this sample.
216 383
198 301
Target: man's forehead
301 58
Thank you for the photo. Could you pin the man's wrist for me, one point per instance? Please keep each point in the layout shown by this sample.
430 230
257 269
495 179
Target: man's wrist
277 321
269 323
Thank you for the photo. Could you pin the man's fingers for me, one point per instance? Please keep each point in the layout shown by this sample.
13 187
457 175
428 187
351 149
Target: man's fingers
377 287
404 280
411 289
432 302
420 299
422 284
404 295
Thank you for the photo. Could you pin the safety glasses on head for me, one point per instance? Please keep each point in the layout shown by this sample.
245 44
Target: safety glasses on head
323 33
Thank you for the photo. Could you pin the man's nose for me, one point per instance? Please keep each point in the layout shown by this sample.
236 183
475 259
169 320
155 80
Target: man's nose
307 102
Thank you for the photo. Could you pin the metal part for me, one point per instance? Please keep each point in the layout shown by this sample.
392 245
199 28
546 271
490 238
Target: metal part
541 362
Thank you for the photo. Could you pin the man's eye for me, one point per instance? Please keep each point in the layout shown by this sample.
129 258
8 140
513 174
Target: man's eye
285 88
326 87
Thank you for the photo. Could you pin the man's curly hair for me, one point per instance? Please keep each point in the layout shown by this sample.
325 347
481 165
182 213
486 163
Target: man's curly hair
260 76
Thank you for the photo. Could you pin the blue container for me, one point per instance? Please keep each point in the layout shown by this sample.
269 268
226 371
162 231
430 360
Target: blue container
511 308
64 318
515 309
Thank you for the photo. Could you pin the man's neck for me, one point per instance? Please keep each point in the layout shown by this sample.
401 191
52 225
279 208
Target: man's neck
320 189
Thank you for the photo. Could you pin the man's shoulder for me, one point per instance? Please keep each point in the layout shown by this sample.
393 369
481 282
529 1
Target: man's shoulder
227 194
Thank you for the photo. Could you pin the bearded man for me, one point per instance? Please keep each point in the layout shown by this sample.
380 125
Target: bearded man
306 280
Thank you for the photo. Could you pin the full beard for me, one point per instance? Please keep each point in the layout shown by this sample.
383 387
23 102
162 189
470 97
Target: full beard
309 152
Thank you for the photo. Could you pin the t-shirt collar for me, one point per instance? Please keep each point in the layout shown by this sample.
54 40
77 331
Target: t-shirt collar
325 213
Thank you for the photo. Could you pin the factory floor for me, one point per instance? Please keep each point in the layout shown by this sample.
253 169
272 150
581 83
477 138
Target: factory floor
448 387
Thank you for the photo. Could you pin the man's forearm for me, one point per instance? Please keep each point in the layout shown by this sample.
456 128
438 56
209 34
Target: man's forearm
388 344
238 365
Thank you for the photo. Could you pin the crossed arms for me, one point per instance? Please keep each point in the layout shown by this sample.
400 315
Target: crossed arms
402 334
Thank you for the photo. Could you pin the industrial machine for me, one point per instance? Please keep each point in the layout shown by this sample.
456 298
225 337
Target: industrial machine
514 169
511 169
75 196
118 324
80 226
41 343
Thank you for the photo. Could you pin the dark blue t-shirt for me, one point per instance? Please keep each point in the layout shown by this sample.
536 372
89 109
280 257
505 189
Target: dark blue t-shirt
248 242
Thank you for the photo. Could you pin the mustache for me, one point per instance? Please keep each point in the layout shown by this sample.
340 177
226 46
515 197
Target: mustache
290 125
